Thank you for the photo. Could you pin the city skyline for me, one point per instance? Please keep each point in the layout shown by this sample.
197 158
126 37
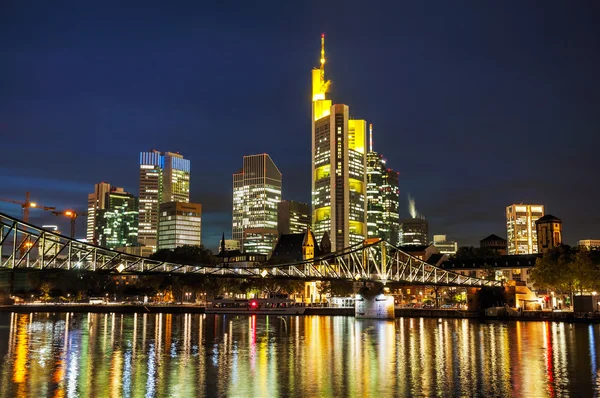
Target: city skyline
464 109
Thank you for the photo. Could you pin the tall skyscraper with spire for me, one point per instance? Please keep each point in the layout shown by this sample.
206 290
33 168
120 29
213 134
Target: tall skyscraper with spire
339 205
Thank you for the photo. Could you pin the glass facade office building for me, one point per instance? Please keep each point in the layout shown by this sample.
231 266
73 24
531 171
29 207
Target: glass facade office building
256 195
520 228
117 224
179 224
164 177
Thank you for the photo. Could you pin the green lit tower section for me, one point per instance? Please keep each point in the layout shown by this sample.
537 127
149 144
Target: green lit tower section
117 223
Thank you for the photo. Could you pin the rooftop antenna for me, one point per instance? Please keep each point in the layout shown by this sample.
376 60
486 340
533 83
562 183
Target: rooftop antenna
324 83
370 137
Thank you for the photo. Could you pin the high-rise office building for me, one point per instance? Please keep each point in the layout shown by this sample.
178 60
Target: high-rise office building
117 223
256 193
520 228
339 178
179 224
292 217
164 177
383 219
414 231
176 178
96 201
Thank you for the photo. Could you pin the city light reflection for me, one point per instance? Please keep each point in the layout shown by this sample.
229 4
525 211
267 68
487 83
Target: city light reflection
113 355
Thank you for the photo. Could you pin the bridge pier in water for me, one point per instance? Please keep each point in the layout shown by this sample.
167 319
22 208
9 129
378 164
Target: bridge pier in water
372 303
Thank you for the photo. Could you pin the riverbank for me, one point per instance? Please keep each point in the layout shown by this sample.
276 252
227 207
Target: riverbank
555 316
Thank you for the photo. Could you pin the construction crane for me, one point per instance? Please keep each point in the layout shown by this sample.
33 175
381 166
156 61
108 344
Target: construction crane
73 216
26 243
27 205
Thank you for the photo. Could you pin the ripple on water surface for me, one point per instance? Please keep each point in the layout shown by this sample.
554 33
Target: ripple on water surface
158 355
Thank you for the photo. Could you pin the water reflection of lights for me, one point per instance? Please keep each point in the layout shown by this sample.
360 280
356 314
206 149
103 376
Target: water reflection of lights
593 363
151 365
65 356
21 351
548 354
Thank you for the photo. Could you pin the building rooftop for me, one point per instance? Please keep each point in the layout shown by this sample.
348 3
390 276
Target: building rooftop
548 218
413 248
435 258
492 238
289 248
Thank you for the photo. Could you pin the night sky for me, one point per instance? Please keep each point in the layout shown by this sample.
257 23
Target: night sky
477 104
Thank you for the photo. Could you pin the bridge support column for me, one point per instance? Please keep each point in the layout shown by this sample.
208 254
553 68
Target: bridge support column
372 303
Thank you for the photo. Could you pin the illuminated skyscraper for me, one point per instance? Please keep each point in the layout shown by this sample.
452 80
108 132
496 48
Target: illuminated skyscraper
520 228
339 178
179 224
164 177
414 231
117 222
256 193
383 217
96 201
176 178
292 217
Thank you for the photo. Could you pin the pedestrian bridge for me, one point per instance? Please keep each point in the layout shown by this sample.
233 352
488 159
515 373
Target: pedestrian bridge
26 246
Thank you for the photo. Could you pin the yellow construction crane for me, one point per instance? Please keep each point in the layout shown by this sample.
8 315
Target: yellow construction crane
73 216
26 205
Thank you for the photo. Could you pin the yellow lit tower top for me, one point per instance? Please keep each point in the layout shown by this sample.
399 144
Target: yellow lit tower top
320 86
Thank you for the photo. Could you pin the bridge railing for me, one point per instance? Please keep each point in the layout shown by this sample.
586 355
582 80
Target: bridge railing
24 245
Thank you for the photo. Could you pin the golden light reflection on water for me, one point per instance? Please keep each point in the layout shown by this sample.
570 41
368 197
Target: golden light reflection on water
152 355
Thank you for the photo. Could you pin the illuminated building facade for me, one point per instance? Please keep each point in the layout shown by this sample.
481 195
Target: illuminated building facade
96 201
176 178
229 245
590 244
549 232
117 223
292 217
339 178
164 177
179 224
383 201
445 246
414 231
520 228
256 194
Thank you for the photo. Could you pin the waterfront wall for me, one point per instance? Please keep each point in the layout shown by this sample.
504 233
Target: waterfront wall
325 311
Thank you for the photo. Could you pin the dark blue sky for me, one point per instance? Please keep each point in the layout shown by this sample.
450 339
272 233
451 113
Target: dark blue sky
477 104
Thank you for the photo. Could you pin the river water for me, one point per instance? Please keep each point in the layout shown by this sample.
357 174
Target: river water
189 355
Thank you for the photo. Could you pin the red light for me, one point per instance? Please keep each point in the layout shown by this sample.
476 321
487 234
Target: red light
253 304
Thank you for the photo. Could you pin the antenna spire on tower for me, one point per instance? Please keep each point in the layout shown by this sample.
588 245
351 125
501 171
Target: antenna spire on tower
370 137
322 58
